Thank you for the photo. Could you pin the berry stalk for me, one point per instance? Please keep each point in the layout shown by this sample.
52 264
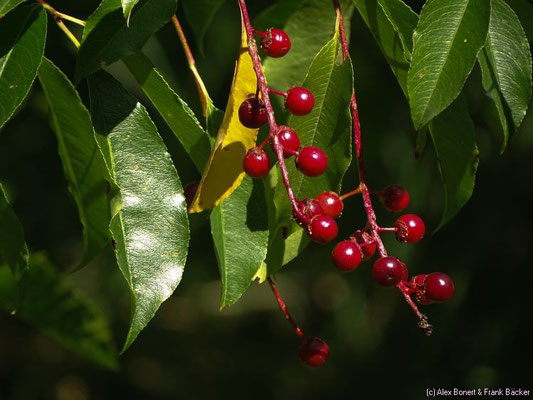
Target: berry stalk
375 229
284 309
273 126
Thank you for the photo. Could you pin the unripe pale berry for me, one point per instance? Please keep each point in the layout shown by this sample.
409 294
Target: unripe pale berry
314 351
331 203
311 161
289 141
276 43
394 198
252 113
388 271
299 101
410 228
346 255
439 287
256 163
322 229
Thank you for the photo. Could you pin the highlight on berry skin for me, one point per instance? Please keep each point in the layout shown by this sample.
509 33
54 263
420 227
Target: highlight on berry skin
256 163
275 42
330 203
322 229
346 255
389 271
409 228
299 101
289 141
311 161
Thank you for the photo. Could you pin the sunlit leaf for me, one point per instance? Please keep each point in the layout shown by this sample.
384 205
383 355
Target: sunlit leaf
310 27
107 37
240 233
127 7
83 163
447 39
403 20
21 51
505 62
172 108
150 226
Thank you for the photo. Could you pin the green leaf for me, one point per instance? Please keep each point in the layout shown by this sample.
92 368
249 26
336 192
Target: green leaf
107 38
61 312
21 51
453 136
403 20
447 39
199 14
172 108
7 5
127 8
239 228
83 164
386 37
327 127
309 29
524 11
505 62
12 245
277 14
151 228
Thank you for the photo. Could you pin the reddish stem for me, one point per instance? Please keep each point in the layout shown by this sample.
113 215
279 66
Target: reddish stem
367 201
284 309
259 33
391 229
264 142
261 81
279 93
371 215
349 194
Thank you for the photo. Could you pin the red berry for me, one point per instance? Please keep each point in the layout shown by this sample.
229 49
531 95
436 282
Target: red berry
394 198
310 208
314 351
366 243
331 203
410 227
189 192
256 163
311 161
346 255
252 113
439 287
388 271
276 43
289 141
299 101
322 229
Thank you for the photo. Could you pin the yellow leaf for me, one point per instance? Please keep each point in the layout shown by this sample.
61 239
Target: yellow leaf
223 173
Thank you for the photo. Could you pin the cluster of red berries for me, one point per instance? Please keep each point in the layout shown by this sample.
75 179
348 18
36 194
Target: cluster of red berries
390 271
317 216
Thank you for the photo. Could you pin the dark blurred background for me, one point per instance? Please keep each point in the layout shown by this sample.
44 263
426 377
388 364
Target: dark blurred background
191 350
